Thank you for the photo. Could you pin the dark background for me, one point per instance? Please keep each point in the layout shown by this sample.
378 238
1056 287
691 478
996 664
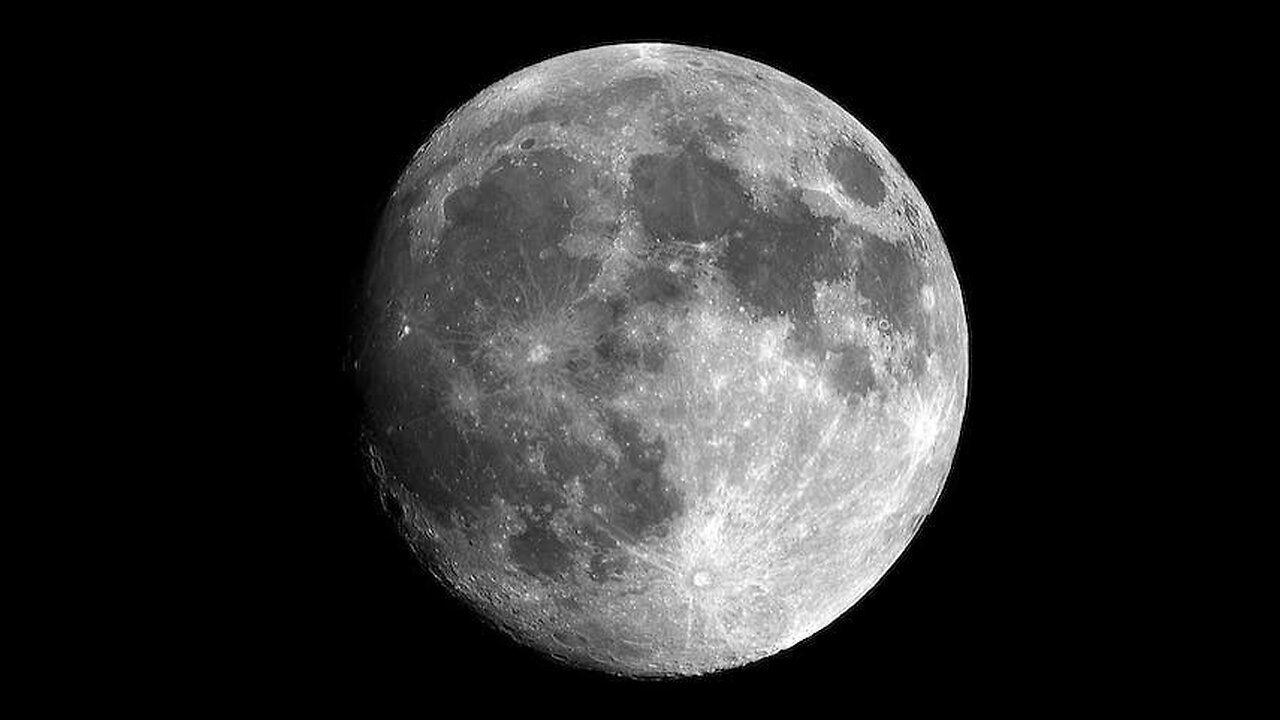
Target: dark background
995 589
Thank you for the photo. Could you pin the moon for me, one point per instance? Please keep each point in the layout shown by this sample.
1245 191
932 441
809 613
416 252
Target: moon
664 359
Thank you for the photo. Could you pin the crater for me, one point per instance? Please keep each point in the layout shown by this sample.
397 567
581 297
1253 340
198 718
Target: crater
857 174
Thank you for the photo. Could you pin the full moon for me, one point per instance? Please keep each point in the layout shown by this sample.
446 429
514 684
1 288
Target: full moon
663 358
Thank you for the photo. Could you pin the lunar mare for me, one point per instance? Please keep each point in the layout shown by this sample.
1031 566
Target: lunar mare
664 358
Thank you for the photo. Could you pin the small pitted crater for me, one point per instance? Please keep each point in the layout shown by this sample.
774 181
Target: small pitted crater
528 143
857 173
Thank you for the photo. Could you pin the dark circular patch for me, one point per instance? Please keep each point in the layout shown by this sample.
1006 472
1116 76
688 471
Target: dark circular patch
857 174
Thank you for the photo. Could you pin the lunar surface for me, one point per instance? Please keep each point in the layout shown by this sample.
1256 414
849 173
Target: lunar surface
664 359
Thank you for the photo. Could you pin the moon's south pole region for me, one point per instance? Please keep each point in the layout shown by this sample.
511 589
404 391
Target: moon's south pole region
663 358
